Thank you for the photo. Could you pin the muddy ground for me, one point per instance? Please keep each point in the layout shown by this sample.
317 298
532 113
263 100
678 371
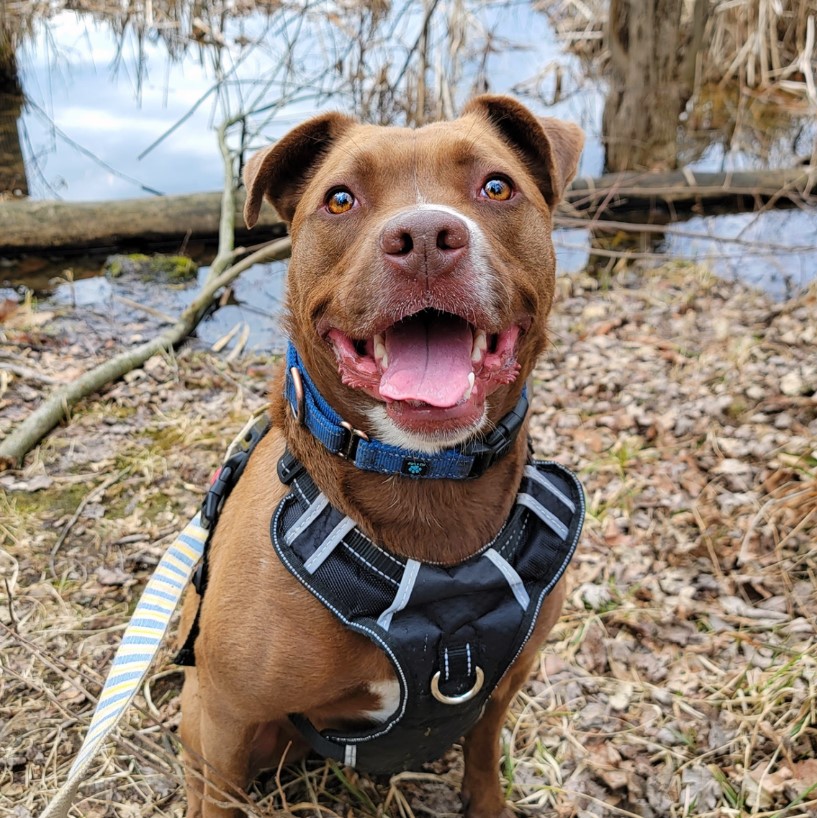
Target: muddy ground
682 678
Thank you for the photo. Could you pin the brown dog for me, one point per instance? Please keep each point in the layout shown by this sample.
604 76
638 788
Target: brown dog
421 278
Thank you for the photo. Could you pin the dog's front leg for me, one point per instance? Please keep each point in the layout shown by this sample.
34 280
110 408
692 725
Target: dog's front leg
481 793
226 743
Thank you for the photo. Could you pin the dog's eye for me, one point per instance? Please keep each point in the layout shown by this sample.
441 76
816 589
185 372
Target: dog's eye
497 188
339 201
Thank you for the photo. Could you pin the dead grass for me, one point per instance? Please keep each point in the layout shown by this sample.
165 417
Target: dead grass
682 678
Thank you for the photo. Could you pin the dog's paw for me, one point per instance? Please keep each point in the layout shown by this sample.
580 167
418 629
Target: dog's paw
485 807
503 812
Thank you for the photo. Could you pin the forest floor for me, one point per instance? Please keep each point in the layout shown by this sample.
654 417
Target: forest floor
682 678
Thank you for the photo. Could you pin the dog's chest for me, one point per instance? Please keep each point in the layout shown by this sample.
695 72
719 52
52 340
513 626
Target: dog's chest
450 632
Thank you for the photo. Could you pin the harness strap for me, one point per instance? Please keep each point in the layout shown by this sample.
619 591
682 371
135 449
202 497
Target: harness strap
221 485
451 632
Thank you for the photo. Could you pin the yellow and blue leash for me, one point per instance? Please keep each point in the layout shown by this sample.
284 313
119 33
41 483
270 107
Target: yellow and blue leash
139 646
144 634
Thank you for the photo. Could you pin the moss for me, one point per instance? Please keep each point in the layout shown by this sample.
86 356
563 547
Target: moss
176 268
53 502
165 439
737 408
170 268
116 266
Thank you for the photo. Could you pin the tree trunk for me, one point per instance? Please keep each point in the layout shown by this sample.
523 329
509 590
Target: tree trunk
650 82
13 180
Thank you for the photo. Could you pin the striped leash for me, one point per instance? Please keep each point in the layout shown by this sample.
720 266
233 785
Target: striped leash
143 636
136 652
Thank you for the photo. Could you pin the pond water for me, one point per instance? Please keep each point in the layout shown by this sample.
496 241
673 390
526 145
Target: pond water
126 108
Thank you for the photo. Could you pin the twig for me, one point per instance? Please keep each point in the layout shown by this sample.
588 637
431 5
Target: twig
55 408
10 597
92 156
27 372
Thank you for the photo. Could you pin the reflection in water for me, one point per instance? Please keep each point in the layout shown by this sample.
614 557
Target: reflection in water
12 167
124 103
144 93
13 180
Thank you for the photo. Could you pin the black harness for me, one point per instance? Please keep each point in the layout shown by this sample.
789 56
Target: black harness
451 633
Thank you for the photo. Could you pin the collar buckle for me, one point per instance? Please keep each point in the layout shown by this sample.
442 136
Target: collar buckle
348 449
500 441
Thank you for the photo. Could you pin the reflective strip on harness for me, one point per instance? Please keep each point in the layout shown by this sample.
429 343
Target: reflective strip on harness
514 580
403 594
329 544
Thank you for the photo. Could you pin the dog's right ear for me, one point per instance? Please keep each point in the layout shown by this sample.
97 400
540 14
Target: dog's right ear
281 171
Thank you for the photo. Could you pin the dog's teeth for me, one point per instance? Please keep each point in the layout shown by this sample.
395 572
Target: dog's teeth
480 345
380 351
467 393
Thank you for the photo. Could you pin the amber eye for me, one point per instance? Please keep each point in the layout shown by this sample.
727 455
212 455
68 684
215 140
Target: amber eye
340 201
498 189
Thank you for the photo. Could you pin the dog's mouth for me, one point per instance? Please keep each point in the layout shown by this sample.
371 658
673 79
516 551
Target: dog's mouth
432 369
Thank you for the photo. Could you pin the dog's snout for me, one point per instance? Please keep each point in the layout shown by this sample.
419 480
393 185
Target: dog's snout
428 242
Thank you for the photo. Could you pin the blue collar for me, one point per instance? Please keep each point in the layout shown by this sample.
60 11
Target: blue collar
339 437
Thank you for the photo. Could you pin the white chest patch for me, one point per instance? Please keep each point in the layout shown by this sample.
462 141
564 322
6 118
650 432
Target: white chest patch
389 694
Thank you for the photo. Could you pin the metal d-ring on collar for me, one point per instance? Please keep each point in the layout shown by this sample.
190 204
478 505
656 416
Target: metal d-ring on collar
463 697
298 385
299 413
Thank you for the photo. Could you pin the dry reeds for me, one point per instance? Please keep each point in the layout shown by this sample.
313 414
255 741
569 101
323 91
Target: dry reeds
762 44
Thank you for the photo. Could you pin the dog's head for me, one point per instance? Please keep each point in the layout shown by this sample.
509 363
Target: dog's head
422 268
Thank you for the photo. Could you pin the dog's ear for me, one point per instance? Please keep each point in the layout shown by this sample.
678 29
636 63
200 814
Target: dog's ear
550 147
281 171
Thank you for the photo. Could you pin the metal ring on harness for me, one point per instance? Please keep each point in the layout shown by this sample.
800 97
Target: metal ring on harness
463 697
298 386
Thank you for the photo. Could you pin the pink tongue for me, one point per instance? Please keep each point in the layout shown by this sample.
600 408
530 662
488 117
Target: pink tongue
429 360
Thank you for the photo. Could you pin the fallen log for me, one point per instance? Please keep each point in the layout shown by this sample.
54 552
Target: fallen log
683 193
64 226
27 225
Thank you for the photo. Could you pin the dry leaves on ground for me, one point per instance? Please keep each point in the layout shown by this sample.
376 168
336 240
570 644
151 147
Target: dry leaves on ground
682 679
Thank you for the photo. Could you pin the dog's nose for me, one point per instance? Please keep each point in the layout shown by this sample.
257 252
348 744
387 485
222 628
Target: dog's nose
424 243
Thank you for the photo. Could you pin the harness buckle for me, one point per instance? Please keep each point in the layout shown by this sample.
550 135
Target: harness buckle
348 449
227 476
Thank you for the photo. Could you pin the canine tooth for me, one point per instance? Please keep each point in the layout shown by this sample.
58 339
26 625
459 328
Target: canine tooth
480 345
380 349
384 359
467 393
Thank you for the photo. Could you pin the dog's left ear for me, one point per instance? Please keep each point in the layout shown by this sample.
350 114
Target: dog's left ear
550 147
